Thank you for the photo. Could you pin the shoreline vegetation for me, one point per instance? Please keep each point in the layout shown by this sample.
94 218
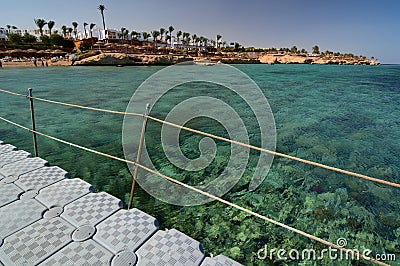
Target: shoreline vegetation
87 46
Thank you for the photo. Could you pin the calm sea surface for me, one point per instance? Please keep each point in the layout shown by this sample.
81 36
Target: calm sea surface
342 116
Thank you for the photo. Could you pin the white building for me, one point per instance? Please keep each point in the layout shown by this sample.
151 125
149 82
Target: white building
3 34
109 34
36 33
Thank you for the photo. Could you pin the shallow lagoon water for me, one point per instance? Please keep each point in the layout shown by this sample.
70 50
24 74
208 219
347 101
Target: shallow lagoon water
343 116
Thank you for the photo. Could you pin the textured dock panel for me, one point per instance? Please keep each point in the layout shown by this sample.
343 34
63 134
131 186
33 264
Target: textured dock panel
220 260
18 215
41 178
63 192
7 148
48 219
81 253
21 167
8 193
91 209
13 156
170 248
126 230
36 242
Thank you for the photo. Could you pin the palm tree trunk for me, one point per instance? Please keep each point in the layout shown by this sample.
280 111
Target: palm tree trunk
91 38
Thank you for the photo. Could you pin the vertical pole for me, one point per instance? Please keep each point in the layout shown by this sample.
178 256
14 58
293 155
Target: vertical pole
33 122
139 153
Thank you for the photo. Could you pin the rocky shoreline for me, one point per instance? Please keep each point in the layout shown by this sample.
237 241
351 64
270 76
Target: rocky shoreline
315 59
111 59
145 59
107 59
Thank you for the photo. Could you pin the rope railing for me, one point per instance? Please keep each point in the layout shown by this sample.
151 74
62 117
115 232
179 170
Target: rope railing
354 253
72 105
327 167
377 180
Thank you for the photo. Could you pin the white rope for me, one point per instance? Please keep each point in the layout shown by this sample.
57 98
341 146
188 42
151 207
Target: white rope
72 105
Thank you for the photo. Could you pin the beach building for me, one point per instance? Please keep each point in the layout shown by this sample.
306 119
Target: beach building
35 32
3 34
112 35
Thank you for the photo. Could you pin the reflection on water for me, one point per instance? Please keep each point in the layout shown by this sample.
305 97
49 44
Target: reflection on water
344 116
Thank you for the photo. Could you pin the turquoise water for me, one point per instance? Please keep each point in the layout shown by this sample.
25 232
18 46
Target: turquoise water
343 116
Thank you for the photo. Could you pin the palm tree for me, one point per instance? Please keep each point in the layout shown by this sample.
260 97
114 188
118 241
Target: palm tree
122 33
146 36
9 27
170 30
218 38
50 25
64 30
134 35
40 23
75 25
223 44
194 37
102 8
162 31
84 28
213 42
155 34
186 36
203 40
178 35
91 26
167 38
315 49
70 31
125 34
198 41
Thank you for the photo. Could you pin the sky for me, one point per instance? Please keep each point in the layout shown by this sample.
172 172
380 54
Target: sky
370 28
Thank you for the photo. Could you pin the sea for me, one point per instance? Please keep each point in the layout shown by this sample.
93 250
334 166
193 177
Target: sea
342 116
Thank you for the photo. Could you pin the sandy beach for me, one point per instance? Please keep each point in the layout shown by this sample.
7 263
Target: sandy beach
11 64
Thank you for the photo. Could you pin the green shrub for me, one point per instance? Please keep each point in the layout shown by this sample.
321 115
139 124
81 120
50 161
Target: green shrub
28 38
84 46
45 39
14 38
57 39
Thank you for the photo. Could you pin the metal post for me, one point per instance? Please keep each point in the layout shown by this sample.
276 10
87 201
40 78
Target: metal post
139 153
33 122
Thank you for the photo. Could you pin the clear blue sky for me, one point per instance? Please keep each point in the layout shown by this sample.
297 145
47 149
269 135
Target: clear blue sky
365 27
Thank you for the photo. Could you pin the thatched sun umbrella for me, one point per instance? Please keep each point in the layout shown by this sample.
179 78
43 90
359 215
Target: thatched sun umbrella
41 53
16 53
58 52
31 52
